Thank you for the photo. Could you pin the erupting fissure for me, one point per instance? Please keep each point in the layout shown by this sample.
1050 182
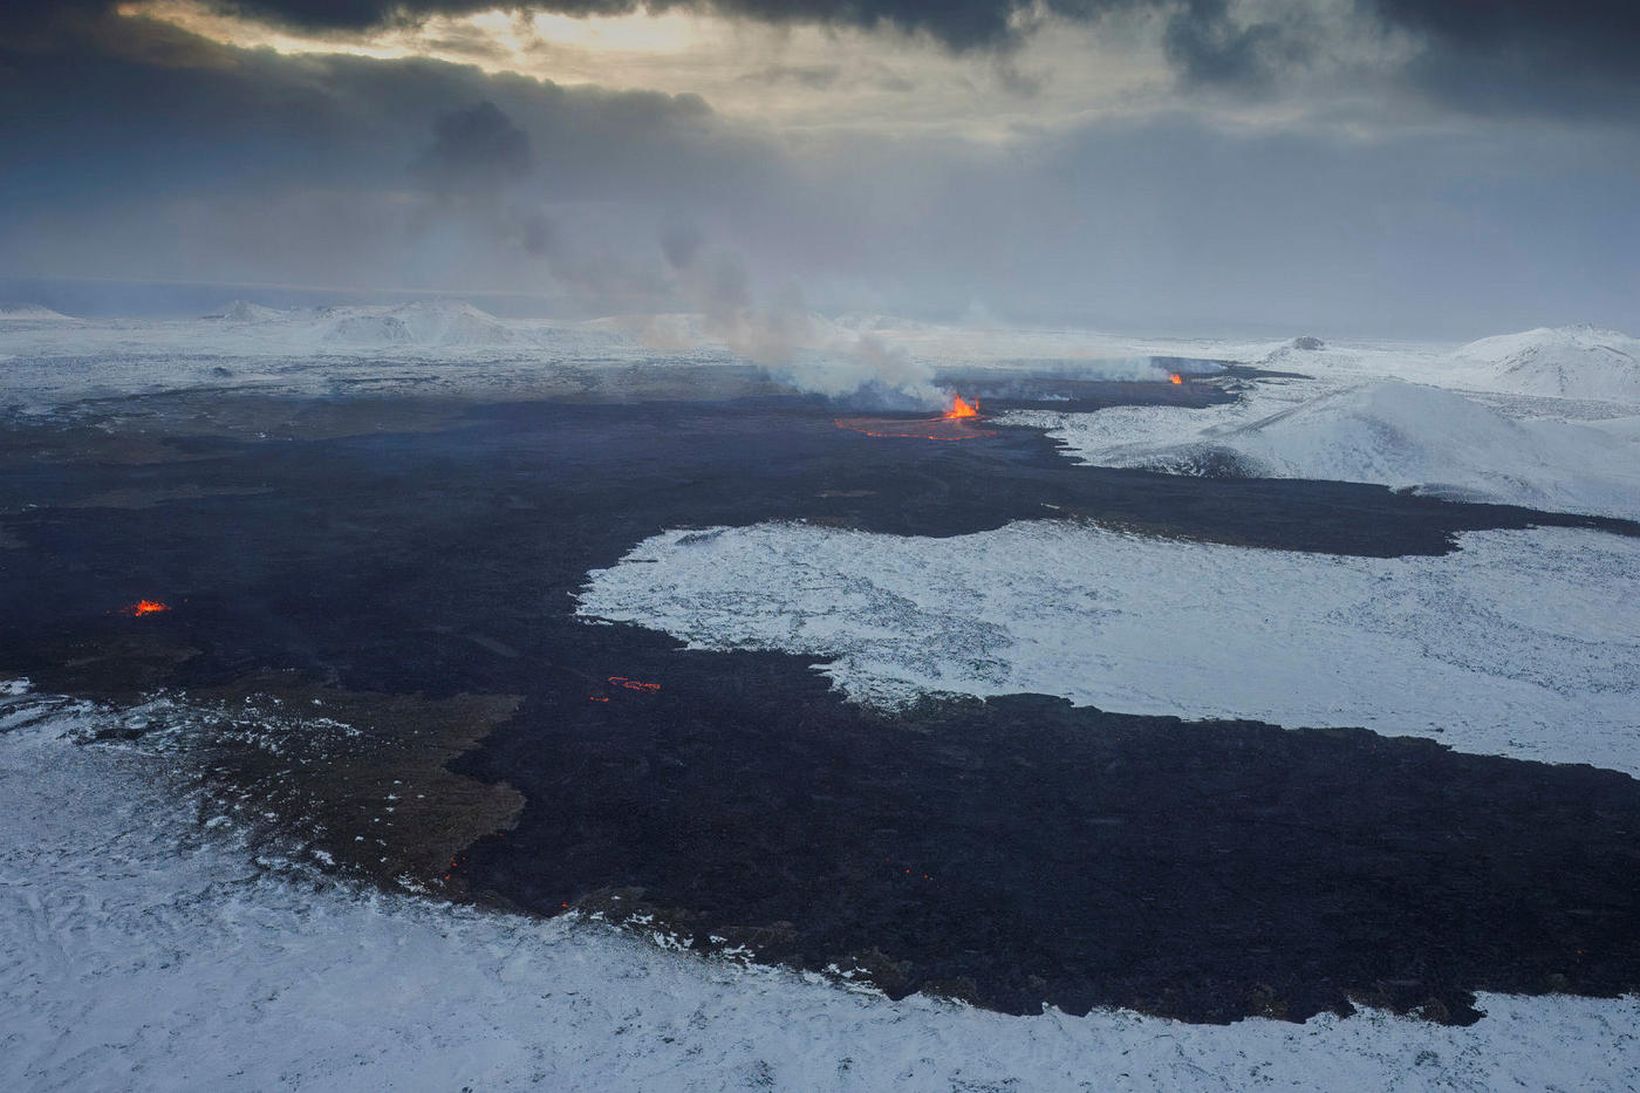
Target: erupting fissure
146 607
959 422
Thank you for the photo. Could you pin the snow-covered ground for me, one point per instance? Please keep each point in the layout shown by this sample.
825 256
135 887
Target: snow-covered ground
1547 419
29 313
144 950
435 346
1383 431
1581 362
1521 643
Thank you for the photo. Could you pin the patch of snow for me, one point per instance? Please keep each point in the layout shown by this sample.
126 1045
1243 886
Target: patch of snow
144 953
1521 643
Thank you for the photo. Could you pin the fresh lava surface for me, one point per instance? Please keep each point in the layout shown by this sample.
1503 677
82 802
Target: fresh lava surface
956 423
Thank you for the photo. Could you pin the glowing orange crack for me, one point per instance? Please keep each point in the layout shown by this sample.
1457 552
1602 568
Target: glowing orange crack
954 424
634 684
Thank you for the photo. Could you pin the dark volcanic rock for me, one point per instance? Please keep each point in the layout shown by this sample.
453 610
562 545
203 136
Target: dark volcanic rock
1012 852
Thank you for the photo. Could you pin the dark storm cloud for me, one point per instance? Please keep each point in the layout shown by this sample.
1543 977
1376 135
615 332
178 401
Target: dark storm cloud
1208 45
156 154
1502 56
478 148
1603 32
1525 56
129 148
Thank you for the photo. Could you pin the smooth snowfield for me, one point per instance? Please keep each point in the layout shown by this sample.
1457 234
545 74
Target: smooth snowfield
1403 435
1521 643
144 951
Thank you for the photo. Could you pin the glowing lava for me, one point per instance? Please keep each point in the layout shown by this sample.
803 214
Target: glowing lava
146 607
957 423
1174 378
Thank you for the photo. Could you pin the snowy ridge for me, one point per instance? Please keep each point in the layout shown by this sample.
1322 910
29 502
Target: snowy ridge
243 311
1522 643
1435 441
1397 434
422 325
1581 362
30 313
149 953
435 346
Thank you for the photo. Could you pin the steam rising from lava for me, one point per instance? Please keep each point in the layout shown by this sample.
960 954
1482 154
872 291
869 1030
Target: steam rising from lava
956 423
776 329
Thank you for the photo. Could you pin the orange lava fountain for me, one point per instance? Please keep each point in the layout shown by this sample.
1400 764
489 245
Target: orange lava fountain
960 422
146 607
1174 378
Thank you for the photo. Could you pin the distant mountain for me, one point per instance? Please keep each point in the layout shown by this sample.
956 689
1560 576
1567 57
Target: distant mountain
1436 441
434 324
243 311
30 313
1389 432
1566 361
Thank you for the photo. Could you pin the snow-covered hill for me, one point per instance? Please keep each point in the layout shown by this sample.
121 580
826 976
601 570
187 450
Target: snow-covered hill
30 313
433 324
1581 362
1383 431
1408 435
420 326
243 311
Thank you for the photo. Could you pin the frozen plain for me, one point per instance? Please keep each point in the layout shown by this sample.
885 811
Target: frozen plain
145 951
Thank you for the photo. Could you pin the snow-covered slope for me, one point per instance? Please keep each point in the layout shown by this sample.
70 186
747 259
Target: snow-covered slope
243 311
433 346
1581 362
1388 432
145 951
1522 643
437 324
30 313
1407 435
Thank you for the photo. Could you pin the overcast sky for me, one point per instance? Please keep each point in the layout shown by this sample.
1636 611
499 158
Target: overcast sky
1445 168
